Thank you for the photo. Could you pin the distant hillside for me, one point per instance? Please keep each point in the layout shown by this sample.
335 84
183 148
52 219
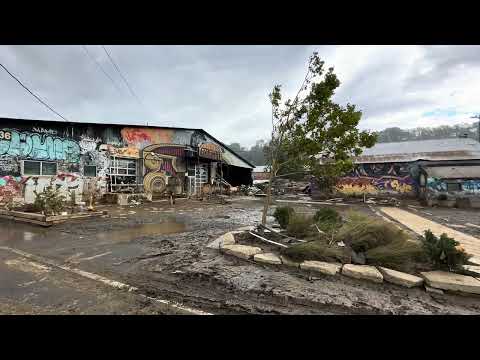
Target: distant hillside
395 134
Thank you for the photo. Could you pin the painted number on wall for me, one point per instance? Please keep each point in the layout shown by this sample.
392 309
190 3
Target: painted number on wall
5 135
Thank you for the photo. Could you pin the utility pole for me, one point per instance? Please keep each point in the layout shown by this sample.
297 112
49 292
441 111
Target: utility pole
478 118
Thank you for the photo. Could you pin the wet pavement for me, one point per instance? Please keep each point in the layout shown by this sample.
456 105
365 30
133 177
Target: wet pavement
29 287
161 250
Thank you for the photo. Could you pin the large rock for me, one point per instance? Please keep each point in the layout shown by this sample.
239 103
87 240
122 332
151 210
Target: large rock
242 251
472 269
288 262
400 278
450 281
267 258
322 267
364 272
474 260
433 290
221 241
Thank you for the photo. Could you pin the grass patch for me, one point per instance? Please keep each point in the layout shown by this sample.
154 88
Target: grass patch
317 250
300 226
400 254
363 233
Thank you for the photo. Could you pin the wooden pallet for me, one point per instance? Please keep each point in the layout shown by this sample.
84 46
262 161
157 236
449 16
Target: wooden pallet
39 219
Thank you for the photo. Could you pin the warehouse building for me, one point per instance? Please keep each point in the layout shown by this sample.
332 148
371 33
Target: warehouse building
442 169
112 159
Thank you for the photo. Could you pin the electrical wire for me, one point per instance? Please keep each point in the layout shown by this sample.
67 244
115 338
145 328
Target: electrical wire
101 68
123 77
35 96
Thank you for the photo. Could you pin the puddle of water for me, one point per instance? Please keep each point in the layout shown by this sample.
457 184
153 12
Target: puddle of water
14 232
167 227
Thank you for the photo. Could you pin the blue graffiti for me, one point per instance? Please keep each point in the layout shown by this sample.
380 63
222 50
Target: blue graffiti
38 146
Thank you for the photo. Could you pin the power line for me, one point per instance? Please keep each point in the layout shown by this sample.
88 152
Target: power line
123 77
35 96
101 68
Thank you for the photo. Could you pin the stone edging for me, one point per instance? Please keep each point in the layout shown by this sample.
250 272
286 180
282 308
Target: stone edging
438 280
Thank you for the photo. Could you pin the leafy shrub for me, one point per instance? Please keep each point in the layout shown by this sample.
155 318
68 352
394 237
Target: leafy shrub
317 250
362 233
400 255
50 201
327 214
444 252
327 219
299 226
282 214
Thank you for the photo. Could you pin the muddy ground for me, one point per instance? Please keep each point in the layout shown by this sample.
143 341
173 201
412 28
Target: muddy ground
161 250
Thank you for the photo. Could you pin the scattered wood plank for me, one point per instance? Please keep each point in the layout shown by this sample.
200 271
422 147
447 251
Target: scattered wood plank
268 241
320 231
279 233
312 202
30 221
74 216
33 216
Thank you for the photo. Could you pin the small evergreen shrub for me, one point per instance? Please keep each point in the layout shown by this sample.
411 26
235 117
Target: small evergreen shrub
328 220
444 252
282 214
327 214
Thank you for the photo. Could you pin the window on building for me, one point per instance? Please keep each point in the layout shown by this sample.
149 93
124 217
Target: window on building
123 167
39 168
123 174
453 187
90 170
49 168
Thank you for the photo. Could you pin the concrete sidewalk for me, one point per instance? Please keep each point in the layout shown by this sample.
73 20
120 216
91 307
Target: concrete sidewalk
419 224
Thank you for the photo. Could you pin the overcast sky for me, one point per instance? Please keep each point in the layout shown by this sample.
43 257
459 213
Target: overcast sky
224 89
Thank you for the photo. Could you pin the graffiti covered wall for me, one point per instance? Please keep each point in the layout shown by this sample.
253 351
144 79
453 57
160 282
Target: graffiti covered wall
84 152
456 187
397 179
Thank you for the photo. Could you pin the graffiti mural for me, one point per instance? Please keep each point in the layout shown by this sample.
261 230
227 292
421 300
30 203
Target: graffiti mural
437 186
9 166
377 179
38 146
142 137
11 187
160 162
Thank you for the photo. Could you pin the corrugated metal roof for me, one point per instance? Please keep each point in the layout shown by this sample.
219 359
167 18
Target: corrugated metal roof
438 149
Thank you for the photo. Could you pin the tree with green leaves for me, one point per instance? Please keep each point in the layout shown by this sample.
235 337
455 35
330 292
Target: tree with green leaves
312 130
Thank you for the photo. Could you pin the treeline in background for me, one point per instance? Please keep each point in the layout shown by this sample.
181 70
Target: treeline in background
256 153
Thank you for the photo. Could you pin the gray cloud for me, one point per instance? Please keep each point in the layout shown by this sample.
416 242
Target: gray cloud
223 89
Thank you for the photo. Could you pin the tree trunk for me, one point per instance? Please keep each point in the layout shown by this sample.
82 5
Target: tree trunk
268 198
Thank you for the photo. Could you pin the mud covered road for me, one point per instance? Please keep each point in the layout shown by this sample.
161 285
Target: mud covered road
161 251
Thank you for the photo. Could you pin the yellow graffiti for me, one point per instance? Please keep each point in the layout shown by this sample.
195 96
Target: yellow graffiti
349 189
401 188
